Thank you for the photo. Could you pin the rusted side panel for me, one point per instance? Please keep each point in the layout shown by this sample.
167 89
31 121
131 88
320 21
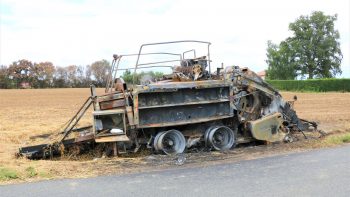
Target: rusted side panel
167 124
183 96
160 106
112 104
110 101
172 86
110 96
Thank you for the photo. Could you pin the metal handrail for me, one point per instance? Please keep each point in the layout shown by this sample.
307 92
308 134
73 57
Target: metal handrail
194 53
116 62
171 42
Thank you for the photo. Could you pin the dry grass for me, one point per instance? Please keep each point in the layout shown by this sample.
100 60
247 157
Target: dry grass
28 113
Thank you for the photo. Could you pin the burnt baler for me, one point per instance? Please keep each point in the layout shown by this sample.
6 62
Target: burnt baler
191 107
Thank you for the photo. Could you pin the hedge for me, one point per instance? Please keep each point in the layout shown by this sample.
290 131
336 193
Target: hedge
314 85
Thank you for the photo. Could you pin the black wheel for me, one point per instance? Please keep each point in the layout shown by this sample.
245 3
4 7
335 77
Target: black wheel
170 142
219 137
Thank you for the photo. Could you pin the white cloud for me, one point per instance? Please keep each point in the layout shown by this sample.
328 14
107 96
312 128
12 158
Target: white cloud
84 31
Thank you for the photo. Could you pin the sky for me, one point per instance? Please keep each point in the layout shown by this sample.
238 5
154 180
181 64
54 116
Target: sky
79 32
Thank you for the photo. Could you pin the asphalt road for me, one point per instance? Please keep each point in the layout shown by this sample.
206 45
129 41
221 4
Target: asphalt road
324 172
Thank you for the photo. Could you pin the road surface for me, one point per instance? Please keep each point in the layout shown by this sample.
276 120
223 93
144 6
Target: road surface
324 172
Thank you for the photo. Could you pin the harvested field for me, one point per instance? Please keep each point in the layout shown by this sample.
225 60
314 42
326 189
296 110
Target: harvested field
29 116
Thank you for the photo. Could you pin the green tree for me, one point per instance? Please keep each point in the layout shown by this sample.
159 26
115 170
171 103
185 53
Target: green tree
142 77
127 76
281 62
314 48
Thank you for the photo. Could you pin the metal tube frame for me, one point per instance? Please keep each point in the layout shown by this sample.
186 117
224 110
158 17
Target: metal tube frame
116 63
172 42
194 53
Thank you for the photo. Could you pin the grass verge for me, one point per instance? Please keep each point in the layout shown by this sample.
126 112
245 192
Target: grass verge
7 174
31 172
338 139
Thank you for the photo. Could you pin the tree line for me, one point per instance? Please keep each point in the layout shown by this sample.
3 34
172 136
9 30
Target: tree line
24 73
313 51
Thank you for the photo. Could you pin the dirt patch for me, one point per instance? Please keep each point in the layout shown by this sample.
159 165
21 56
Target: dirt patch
30 116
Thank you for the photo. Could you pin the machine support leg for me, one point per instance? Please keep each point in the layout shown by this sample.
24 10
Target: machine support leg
115 149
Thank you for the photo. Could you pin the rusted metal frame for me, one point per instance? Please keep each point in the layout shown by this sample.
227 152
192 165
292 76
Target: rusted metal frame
176 85
115 73
155 53
136 108
167 61
263 87
105 105
112 138
189 103
146 67
194 53
111 134
109 112
314 124
79 129
231 93
209 60
184 122
84 138
109 97
172 42
76 117
116 62
110 78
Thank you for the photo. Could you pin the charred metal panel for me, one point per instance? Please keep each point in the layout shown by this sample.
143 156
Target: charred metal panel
268 128
183 96
182 114
183 106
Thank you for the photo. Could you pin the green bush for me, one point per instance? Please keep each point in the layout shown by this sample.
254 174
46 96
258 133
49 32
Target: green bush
313 85
31 172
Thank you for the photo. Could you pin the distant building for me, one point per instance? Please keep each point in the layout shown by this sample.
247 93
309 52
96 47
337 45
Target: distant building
24 85
262 74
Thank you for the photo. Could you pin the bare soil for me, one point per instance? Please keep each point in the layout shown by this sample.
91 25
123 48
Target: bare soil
28 117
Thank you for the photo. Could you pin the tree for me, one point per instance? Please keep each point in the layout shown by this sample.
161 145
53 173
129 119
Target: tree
100 70
281 64
314 48
4 79
80 77
87 76
43 74
127 76
141 77
72 71
21 71
60 79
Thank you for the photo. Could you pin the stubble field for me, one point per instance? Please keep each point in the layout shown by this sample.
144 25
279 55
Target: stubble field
28 115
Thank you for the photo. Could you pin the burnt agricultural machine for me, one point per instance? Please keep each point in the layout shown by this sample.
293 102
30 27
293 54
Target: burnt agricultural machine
190 107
